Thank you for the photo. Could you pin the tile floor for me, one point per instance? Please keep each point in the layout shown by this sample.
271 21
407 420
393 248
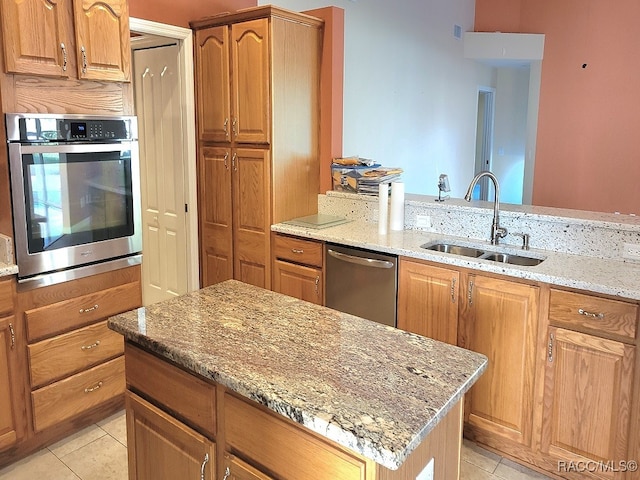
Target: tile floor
99 452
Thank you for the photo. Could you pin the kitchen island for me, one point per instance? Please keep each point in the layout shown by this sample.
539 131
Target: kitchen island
370 395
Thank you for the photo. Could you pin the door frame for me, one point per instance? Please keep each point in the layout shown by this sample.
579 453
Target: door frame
484 136
184 39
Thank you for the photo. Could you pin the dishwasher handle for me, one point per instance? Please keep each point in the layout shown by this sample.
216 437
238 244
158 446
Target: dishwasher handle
367 262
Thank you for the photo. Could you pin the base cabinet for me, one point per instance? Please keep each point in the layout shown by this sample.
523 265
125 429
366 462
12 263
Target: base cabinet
297 268
162 448
500 320
428 300
8 387
588 395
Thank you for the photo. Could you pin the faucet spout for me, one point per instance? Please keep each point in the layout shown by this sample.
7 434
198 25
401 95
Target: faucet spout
497 232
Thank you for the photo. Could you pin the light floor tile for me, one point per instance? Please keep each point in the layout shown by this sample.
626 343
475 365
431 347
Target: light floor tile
479 457
469 471
116 426
509 470
77 440
103 459
40 465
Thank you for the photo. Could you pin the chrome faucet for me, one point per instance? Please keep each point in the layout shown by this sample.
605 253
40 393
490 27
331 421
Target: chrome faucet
497 232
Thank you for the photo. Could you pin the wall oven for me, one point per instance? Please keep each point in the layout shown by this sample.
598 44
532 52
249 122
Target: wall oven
75 190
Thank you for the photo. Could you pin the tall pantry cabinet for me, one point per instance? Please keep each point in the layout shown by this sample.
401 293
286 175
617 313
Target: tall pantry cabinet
257 84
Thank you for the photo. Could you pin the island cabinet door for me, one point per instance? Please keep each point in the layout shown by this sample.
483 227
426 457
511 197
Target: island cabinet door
500 320
587 403
236 469
162 448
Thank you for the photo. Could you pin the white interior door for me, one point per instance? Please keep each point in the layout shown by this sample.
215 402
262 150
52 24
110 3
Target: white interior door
157 96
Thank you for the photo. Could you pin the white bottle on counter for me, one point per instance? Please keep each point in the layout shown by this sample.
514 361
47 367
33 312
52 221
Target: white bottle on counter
397 206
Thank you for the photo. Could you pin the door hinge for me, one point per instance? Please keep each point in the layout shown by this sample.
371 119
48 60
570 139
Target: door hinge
186 208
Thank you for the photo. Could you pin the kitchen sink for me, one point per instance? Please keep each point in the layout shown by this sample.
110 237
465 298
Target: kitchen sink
466 251
455 249
512 259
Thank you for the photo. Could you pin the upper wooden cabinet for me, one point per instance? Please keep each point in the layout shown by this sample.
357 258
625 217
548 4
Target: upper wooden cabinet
213 85
257 81
35 37
233 82
38 35
103 47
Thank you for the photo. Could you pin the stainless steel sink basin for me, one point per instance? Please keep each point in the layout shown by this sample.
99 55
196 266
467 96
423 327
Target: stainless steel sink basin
455 249
512 259
465 251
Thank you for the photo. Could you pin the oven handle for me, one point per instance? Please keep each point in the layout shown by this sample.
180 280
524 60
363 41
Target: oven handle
77 147
367 262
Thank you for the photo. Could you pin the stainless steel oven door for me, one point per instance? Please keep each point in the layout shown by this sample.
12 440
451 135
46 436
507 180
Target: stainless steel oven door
74 204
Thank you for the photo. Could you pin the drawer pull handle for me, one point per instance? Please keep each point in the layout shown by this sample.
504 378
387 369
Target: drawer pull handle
317 284
64 56
589 314
550 348
297 250
89 309
12 332
89 347
93 389
204 464
227 472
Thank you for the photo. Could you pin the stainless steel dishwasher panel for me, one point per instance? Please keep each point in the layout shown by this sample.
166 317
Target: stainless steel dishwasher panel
362 283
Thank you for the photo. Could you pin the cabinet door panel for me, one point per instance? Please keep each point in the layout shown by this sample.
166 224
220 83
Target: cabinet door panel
162 448
251 218
236 469
502 325
216 217
35 37
8 434
428 301
214 98
587 398
298 281
103 47
251 78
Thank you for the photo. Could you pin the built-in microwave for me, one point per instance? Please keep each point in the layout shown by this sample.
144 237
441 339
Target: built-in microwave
75 190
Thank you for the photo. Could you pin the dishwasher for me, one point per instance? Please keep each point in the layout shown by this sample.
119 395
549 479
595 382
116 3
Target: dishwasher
362 283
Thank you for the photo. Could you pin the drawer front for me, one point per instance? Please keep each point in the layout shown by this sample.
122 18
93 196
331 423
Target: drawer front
575 310
260 434
73 395
77 312
298 250
6 297
63 355
171 386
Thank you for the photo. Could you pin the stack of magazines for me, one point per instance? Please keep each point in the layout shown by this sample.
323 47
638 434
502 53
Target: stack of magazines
362 179
368 183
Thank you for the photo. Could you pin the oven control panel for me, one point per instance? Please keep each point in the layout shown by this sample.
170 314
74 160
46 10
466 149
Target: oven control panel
26 128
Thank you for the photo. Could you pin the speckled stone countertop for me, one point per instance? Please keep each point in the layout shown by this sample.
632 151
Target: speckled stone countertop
605 276
7 269
374 389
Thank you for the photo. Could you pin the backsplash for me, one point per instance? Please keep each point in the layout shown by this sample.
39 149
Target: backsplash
6 250
576 232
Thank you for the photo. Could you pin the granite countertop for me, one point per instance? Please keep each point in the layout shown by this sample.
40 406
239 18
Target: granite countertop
605 276
7 269
372 388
